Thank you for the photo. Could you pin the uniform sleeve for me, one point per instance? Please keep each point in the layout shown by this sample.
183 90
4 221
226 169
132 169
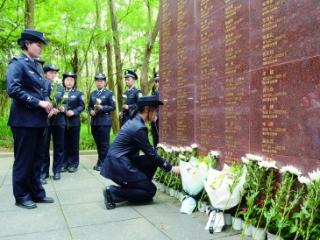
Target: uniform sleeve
112 105
141 139
91 104
80 107
15 88
134 106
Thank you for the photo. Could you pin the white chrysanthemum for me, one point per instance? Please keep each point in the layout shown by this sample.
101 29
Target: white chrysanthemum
194 145
304 180
182 149
253 157
188 149
175 149
267 164
215 153
160 145
315 175
291 169
168 150
245 160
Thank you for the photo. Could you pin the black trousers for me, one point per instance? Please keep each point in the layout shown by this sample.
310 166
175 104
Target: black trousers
28 144
137 191
101 136
71 147
57 133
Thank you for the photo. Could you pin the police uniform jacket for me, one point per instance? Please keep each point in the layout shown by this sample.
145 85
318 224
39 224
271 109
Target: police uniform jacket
26 85
132 95
76 104
102 117
132 138
60 118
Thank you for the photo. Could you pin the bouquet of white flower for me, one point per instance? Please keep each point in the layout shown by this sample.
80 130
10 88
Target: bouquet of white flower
224 187
193 174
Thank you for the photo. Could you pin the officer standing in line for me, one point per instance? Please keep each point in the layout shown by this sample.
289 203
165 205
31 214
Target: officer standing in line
30 105
56 127
131 96
124 166
101 105
74 106
155 125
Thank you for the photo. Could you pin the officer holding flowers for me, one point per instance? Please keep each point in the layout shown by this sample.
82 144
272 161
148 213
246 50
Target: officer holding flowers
101 104
73 107
56 128
28 89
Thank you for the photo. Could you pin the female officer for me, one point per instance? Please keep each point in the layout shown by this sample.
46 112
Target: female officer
100 107
74 106
28 89
56 127
124 166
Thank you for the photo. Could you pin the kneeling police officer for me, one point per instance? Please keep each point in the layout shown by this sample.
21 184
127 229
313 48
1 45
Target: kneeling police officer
124 166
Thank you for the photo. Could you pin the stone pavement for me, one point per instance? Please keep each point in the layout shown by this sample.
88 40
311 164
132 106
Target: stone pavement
79 212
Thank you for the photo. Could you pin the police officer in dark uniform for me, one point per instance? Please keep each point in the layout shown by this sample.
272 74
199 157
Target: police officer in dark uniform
74 107
155 125
39 61
124 166
101 105
30 105
56 128
131 96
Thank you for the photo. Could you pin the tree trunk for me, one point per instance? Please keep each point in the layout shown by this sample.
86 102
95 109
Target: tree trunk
117 52
29 14
75 61
100 61
152 36
111 86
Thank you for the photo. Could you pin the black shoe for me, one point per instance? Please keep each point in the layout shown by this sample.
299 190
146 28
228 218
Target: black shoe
97 168
63 169
72 169
43 181
29 204
57 176
108 201
45 200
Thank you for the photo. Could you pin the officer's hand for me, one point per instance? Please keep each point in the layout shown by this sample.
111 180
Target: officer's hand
53 111
97 107
70 113
125 106
175 170
45 105
61 109
92 113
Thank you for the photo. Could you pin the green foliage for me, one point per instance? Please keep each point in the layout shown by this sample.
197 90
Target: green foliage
6 140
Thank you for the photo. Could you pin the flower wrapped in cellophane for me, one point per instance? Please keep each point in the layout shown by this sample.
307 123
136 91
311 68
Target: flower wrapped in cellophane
224 187
193 174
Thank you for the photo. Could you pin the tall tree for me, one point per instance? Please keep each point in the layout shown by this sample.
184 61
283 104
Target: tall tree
152 35
117 51
29 14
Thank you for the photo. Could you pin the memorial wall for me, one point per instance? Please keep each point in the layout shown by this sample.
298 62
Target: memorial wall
242 77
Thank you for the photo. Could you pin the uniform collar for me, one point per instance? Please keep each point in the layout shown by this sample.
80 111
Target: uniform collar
70 90
133 87
140 118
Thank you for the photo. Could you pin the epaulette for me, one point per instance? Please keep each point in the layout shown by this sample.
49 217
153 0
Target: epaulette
13 59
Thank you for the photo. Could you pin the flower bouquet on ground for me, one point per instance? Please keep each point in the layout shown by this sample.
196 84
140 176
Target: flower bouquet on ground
224 191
